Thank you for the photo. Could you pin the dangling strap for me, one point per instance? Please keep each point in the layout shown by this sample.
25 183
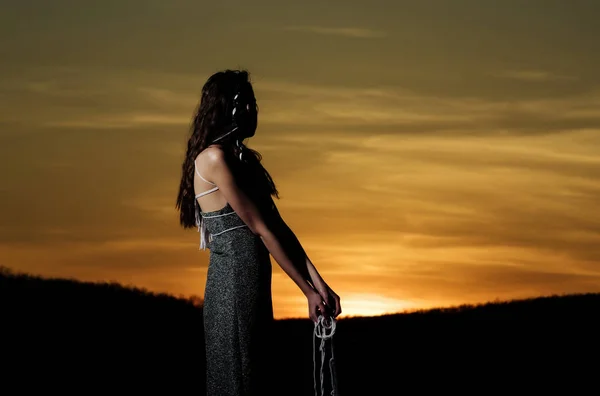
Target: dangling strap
204 234
320 332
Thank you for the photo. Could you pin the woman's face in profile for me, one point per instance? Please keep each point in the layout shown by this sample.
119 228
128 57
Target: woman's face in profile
252 109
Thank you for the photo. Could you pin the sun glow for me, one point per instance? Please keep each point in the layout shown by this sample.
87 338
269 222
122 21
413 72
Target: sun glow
355 304
373 305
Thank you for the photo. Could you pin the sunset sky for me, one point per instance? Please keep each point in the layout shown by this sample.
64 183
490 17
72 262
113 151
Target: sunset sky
428 153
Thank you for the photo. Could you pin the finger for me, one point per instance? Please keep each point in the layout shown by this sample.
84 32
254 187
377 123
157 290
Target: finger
323 311
334 307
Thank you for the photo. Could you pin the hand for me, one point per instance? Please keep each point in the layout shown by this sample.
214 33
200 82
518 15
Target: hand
316 306
331 299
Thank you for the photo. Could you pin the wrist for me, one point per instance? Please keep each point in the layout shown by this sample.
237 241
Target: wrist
319 284
315 277
307 289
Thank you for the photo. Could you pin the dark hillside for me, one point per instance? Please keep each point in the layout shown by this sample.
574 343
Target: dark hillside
76 337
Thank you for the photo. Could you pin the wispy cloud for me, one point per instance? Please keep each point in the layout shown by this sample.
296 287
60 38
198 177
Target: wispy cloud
404 111
532 75
459 197
133 120
345 32
116 101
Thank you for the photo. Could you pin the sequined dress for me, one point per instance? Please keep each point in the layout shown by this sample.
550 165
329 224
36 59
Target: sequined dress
238 308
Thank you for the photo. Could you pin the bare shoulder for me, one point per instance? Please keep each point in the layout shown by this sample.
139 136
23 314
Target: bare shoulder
211 156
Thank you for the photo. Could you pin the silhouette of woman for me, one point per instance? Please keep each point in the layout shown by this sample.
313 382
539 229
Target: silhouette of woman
240 225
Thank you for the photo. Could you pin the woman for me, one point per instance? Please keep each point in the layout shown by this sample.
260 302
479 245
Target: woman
227 194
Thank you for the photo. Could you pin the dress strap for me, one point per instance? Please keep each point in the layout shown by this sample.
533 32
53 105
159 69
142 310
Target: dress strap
198 173
207 192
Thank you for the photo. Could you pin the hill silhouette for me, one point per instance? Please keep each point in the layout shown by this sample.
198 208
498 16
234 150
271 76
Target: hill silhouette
81 337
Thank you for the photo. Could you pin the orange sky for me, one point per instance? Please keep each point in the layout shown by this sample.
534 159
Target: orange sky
426 154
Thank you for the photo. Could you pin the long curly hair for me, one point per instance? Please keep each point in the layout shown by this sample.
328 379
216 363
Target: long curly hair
212 120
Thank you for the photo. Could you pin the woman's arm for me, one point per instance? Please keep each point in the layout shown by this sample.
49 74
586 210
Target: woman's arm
327 294
307 268
275 235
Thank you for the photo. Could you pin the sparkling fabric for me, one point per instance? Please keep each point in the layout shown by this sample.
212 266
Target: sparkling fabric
238 309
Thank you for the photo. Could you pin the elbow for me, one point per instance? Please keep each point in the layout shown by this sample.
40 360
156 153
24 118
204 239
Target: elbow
265 230
264 227
260 229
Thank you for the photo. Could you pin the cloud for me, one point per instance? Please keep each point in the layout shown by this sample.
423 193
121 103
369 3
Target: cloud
344 32
398 110
532 75
126 121
455 195
122 100
92 99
